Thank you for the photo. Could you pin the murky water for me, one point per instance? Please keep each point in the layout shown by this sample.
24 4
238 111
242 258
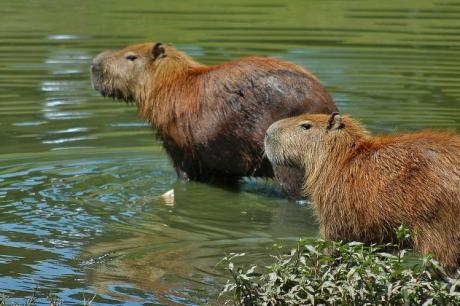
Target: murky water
81 176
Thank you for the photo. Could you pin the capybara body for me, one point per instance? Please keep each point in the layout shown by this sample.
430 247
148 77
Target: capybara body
211 119
363 187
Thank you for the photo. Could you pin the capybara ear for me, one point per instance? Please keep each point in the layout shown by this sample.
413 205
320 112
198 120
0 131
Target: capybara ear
335 122
158 51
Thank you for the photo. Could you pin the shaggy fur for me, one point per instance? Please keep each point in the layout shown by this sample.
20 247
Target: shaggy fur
211 119
363 187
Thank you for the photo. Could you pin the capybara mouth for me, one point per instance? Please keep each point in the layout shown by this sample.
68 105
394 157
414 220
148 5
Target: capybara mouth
277 154
274 154
116 95
107 89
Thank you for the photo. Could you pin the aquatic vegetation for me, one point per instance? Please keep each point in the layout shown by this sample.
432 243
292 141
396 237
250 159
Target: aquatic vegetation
36 298
319 272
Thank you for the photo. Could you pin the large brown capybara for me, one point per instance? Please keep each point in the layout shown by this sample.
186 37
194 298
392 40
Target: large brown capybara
212 119
363 187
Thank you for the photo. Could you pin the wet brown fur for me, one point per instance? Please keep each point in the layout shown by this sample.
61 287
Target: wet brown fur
363 187
212 119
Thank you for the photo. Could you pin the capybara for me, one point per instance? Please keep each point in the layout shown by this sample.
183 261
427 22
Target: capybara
211 119
363 187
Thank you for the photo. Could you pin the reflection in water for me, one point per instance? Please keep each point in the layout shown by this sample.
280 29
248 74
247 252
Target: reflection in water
177 247
62 206
81 177
63 101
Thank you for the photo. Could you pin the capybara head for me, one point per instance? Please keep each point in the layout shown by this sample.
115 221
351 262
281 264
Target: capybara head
307 139
127 74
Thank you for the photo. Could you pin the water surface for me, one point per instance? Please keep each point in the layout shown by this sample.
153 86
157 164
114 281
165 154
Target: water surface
81 176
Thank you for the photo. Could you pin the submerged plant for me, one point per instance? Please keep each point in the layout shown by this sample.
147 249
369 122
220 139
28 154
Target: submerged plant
319 272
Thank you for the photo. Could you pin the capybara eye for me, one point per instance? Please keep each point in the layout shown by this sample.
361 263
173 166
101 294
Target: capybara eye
305 126
131 57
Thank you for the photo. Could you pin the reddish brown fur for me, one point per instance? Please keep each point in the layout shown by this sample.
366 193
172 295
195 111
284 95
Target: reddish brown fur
212 119
364 187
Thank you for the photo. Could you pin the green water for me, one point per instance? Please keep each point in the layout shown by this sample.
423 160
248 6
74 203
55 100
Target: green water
80 176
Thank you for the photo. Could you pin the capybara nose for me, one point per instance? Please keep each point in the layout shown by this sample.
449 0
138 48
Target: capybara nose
271 131
95 67
270 137
96 64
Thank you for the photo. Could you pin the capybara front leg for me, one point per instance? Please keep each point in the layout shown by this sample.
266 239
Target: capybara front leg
291 181
182 175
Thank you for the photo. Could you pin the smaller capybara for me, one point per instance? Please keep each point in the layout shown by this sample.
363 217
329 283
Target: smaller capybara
212 119
363 187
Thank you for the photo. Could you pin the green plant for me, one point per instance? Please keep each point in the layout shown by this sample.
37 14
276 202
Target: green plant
320 272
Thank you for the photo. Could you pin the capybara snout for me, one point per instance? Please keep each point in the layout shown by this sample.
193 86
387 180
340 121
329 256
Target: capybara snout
280 146
364 187
98 59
